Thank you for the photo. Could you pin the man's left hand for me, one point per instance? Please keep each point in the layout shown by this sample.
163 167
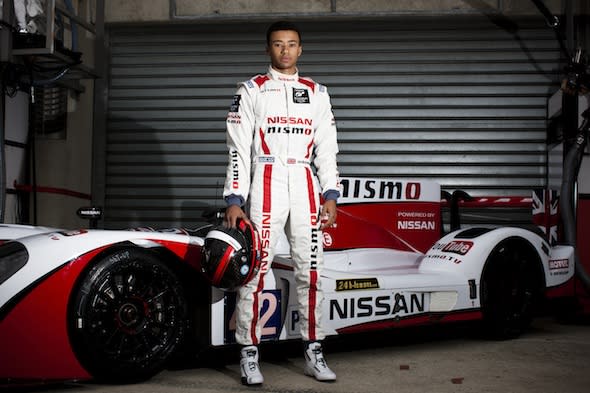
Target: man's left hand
328 217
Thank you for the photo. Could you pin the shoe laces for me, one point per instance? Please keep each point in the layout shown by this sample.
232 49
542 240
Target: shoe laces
251 353
251 359
319 357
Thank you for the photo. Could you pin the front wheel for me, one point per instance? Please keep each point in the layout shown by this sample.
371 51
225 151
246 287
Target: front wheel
128 316
510 288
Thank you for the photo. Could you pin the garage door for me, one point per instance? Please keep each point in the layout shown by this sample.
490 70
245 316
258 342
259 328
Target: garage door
459 100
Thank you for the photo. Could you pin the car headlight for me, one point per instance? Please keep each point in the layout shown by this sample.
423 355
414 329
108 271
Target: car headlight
13 256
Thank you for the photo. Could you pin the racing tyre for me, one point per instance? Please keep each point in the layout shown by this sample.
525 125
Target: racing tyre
128 316
510 288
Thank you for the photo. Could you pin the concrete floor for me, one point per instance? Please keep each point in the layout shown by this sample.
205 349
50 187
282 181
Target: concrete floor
551 357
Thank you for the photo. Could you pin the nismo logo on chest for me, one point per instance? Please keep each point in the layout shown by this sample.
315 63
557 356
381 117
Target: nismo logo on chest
288 125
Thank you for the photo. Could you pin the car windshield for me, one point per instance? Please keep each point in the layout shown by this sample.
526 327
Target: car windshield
13 256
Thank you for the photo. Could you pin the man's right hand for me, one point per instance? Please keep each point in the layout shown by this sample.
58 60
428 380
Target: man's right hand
232 214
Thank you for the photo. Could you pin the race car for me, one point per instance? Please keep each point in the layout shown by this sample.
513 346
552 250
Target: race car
119 305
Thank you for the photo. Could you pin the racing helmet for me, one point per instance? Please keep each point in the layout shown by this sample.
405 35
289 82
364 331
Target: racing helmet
230 256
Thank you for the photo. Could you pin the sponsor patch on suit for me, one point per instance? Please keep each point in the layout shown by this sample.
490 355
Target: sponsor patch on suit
300 96
235 103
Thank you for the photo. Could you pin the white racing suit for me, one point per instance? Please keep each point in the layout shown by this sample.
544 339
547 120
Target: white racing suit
277 127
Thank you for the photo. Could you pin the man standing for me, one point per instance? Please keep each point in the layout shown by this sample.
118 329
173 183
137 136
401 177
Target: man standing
278 126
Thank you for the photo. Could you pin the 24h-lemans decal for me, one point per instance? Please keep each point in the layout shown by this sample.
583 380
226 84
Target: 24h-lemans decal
351 284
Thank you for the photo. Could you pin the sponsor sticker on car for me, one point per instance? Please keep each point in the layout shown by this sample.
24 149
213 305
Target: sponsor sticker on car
378 304
351 284
460 247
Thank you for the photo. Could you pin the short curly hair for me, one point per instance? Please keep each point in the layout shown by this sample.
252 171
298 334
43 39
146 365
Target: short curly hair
282 25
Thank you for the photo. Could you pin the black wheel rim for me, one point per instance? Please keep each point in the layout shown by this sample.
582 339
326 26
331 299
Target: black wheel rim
134 315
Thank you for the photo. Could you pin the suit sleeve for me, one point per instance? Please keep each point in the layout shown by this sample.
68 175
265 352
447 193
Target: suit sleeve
239 136
326 144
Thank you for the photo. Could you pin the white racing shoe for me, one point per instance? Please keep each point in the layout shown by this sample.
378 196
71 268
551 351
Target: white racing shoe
315 364
249 367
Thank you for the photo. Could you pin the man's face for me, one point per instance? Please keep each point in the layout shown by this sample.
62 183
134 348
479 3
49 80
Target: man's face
284 49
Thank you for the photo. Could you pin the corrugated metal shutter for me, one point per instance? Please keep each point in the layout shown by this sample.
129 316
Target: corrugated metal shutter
459 100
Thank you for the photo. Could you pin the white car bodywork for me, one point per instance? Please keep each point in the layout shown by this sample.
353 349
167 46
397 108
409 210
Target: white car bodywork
385 266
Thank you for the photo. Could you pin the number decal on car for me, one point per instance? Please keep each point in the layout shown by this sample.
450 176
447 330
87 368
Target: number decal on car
270 315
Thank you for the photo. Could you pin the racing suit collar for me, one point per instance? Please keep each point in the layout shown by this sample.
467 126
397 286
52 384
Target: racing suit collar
276 75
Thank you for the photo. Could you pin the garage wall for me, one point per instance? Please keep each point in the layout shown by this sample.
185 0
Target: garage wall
461 100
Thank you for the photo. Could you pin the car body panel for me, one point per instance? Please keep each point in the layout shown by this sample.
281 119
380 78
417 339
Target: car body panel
385 266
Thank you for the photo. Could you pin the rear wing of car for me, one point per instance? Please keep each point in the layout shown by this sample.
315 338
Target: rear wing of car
402 214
